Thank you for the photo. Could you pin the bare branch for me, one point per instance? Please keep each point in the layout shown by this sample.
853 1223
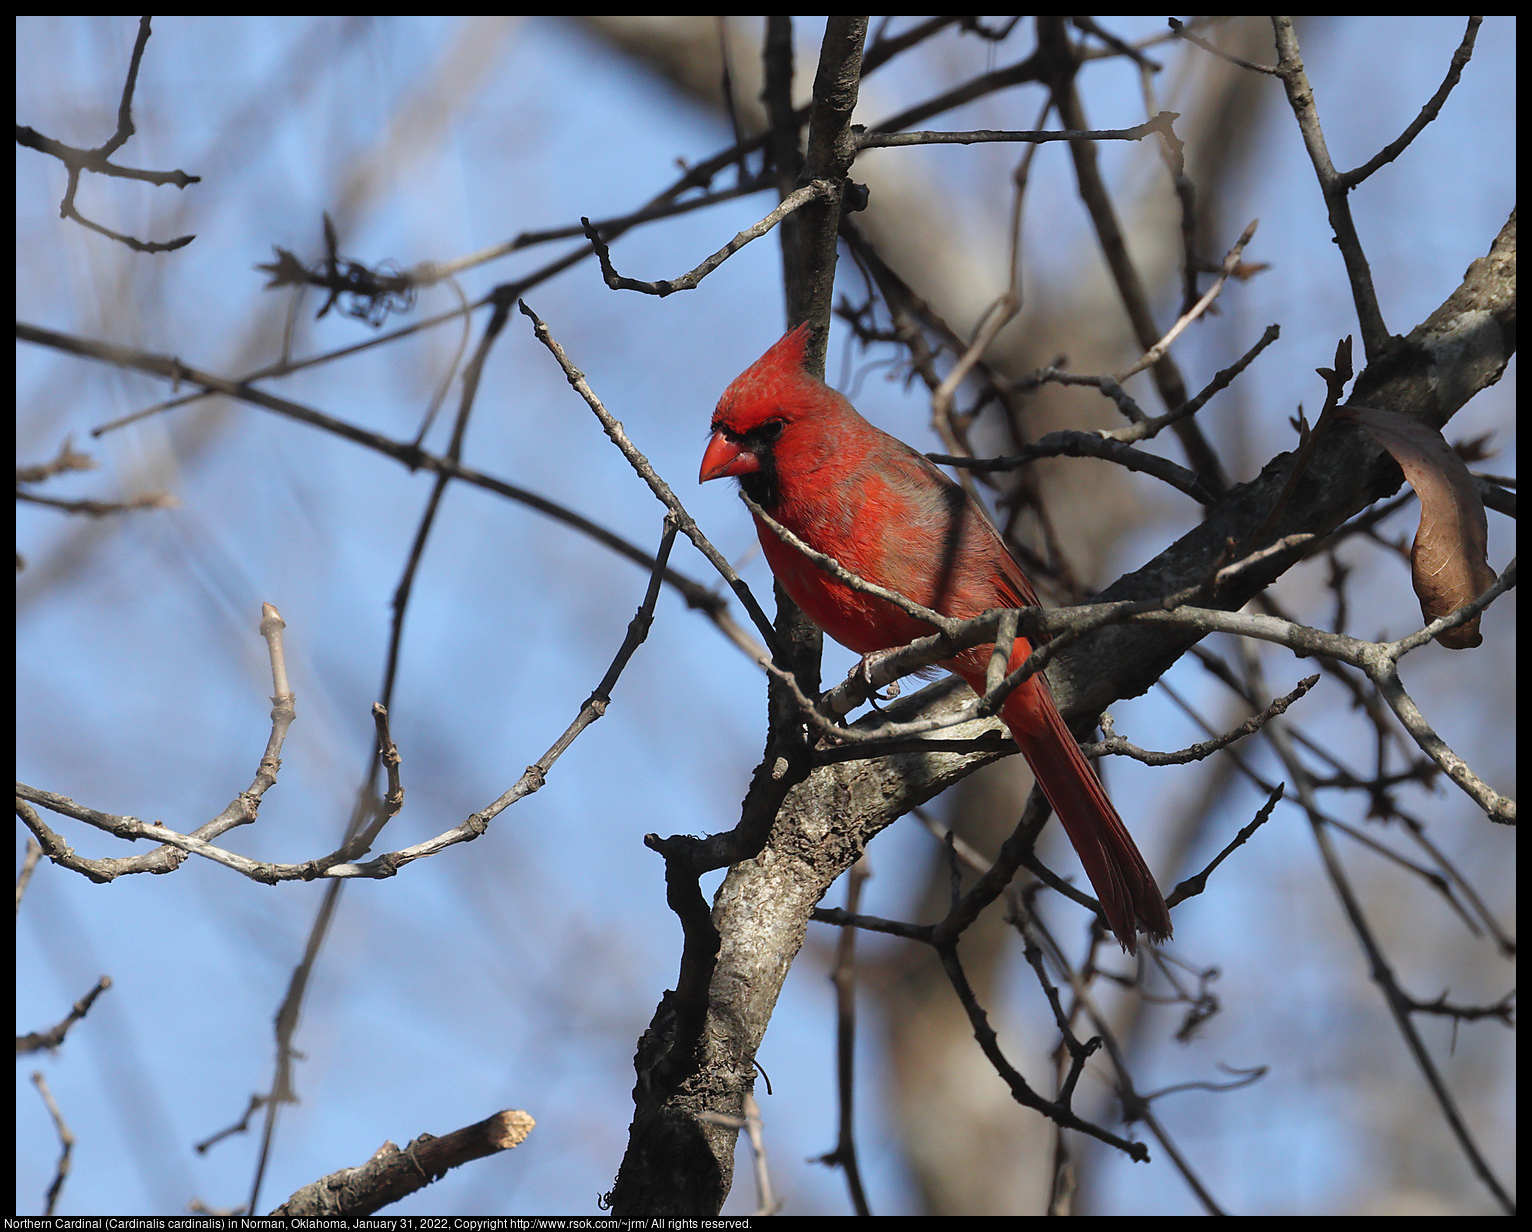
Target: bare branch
98 160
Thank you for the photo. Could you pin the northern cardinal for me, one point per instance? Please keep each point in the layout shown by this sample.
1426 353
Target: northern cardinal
867 500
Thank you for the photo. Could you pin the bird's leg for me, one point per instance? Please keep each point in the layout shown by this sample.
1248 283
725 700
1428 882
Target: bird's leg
868 665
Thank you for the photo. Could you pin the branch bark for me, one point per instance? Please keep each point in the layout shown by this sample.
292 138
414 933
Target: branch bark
695 1063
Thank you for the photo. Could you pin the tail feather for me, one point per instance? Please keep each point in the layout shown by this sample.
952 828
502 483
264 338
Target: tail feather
1122 880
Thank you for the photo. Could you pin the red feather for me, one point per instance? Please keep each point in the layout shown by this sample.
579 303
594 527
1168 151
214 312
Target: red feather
859 495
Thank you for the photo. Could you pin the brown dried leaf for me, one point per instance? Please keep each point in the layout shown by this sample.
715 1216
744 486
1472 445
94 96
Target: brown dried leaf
1449 560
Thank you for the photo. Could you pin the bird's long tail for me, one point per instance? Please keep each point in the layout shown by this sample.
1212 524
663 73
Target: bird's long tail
1122 880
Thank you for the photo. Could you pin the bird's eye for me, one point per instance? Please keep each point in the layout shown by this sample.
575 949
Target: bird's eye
770 431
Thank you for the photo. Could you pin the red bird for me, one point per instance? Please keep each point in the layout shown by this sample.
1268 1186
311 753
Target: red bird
885 513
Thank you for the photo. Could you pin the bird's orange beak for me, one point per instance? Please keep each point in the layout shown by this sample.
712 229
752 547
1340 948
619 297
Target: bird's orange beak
725 457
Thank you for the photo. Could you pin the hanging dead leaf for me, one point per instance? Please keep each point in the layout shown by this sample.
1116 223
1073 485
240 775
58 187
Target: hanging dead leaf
1449 562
